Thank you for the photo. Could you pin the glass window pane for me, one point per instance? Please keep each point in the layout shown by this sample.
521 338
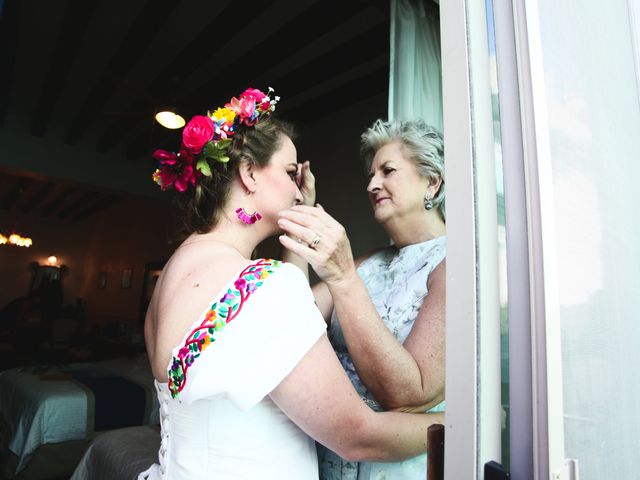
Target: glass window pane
502 260
594 130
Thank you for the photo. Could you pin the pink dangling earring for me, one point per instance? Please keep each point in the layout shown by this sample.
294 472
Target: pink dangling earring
246 218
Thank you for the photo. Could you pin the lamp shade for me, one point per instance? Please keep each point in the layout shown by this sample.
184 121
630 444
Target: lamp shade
169 119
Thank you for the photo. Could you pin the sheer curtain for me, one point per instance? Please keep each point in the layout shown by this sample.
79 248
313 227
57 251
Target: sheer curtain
415 80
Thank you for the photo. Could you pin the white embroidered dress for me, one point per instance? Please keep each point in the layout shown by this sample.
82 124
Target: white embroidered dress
397 283
220 422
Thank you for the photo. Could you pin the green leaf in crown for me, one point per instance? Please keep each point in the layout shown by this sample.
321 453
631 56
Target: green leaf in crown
204 167
217 151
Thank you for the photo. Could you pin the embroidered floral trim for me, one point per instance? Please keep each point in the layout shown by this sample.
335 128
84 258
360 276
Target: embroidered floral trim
216 318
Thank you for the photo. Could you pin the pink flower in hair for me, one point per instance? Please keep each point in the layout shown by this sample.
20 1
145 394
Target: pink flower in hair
245 109
253 94
197 133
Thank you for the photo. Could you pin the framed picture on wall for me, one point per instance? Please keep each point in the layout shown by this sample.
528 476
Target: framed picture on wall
125 282
152 271
102 279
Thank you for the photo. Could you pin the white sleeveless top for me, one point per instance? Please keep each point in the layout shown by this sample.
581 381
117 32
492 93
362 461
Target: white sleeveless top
216 417
396 280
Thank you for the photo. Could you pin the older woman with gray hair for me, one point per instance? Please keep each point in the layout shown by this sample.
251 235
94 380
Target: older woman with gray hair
386 309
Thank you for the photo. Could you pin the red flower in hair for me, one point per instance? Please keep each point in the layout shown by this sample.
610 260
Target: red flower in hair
164 157
164 177
197 133
187 177
185 156
206 139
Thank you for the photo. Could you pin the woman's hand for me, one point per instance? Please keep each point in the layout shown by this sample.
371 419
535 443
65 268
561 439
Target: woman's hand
307 184
319 239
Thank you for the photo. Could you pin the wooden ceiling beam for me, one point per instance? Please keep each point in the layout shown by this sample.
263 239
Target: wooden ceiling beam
38 197
197 51
145 26
98 205
69 42
78 204
354 91
57 201
305 28
9 35
16 192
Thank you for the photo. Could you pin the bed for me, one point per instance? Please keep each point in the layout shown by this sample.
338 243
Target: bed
51 413
120 454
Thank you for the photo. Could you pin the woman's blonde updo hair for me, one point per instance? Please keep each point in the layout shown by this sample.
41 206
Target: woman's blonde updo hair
423 144
201 207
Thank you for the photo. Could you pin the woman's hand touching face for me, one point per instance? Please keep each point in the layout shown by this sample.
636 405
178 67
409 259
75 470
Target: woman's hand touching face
306 183
319 239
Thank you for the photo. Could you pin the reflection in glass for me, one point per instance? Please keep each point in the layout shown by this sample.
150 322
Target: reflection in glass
502 272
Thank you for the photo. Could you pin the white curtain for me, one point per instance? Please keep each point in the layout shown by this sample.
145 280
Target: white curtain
415 77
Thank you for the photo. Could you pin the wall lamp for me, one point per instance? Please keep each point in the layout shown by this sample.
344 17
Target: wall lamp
168 118
15 239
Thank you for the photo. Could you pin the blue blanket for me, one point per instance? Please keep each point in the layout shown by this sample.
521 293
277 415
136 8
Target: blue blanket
118 402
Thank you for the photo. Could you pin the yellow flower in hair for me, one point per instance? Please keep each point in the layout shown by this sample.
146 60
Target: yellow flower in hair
225 114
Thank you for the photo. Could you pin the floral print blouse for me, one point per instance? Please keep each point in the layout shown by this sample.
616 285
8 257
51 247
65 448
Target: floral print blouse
397 283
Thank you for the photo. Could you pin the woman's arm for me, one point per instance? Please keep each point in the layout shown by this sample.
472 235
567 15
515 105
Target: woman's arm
324 301
318 396
323 295
407 376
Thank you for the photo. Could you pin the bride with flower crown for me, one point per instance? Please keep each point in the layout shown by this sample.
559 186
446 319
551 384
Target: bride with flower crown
244 372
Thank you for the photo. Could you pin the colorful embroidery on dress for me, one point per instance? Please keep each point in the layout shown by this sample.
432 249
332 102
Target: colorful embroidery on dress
216 318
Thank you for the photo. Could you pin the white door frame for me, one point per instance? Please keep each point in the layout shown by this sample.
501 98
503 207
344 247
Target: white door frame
473 417
536 408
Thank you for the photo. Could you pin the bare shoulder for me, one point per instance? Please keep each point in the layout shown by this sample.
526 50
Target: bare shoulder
188 283
197 267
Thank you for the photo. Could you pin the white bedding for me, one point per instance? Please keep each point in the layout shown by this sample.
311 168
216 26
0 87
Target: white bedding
119 454
38 411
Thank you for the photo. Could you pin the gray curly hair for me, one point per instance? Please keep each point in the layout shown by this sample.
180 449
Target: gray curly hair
422 142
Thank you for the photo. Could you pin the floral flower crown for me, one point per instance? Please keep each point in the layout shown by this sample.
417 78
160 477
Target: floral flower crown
207 137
